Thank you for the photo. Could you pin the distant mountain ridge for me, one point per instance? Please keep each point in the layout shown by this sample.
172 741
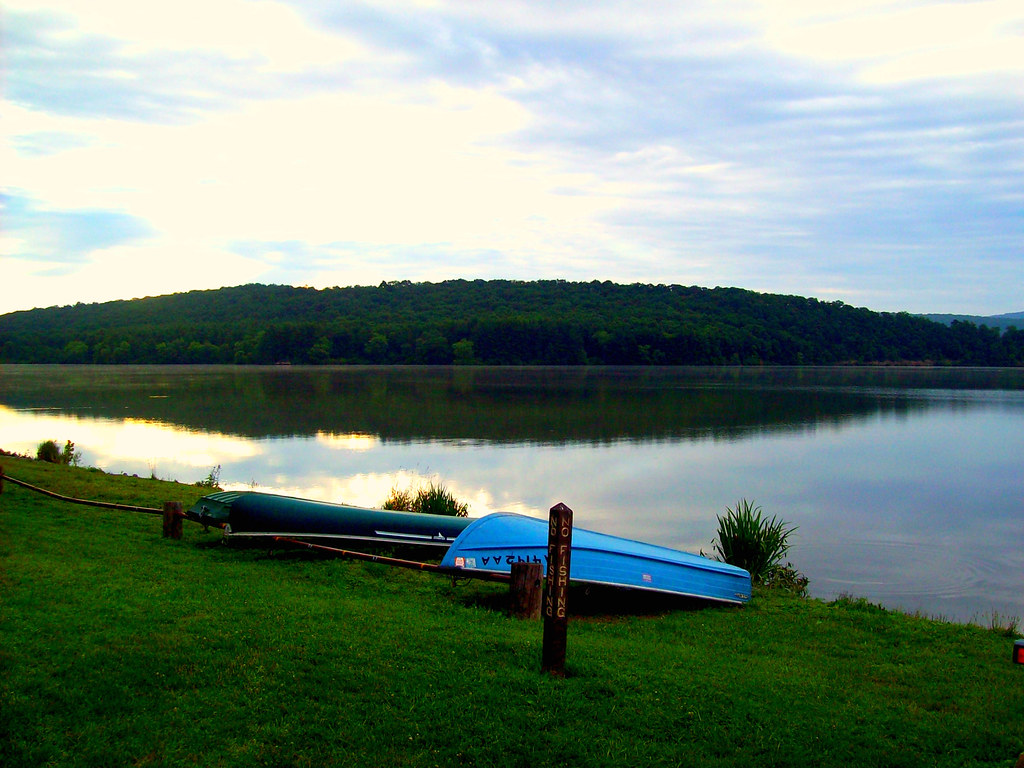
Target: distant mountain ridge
1003 322
494 322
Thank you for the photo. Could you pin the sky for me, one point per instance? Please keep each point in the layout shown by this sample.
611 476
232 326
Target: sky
864 151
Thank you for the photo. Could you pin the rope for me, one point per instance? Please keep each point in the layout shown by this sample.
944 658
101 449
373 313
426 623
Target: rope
383 560
87 502
415 564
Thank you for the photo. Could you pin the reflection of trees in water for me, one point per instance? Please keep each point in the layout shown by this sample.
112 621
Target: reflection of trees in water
514 405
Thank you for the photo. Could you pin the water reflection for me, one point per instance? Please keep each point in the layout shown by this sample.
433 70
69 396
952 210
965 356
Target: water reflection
905 484
130 445
495 405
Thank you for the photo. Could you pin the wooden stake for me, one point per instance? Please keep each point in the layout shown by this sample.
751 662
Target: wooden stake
556 600
172 519
525 590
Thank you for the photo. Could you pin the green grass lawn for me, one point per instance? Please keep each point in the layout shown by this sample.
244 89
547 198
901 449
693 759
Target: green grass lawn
121 648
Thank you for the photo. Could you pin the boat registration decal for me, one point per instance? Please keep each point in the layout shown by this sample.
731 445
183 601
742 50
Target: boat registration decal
496 561
647 578
510 559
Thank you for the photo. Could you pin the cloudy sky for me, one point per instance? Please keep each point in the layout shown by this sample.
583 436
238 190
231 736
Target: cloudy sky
871 152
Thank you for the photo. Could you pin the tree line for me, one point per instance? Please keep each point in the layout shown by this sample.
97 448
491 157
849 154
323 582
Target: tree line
494 322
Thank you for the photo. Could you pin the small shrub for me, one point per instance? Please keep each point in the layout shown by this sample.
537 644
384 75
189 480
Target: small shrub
748 539
786 578
48 452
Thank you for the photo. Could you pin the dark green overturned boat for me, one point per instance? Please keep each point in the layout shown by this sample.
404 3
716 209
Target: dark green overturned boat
253 515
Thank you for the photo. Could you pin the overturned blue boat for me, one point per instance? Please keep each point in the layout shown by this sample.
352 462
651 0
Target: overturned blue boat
484 547
491 544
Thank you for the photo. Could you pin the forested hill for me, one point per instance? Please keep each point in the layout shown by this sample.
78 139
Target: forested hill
496 322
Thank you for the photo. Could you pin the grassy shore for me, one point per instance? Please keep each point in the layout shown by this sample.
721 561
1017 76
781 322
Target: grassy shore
121 648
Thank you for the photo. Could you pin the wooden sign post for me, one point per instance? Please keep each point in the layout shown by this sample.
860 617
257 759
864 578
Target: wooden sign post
525 590
172 519
556 599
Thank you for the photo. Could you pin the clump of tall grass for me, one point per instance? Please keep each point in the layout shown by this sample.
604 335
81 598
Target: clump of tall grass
1004 625
399 500
750 540
431 499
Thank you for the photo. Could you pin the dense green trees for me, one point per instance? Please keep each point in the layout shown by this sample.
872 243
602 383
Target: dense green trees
497 322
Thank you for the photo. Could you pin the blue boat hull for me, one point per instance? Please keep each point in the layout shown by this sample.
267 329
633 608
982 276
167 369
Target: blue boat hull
493 543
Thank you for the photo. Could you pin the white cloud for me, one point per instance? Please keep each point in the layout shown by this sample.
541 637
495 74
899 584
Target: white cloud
397 169
272 33
893 42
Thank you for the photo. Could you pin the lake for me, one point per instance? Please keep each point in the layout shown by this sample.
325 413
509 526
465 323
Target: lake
906 484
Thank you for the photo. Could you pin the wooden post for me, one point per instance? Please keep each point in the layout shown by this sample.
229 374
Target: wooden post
525 590
1 479
172 519
556 600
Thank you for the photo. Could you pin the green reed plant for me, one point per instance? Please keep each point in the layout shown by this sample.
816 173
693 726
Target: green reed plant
750 540
431 499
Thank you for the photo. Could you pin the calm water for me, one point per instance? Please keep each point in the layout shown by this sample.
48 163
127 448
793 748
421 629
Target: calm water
907 484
